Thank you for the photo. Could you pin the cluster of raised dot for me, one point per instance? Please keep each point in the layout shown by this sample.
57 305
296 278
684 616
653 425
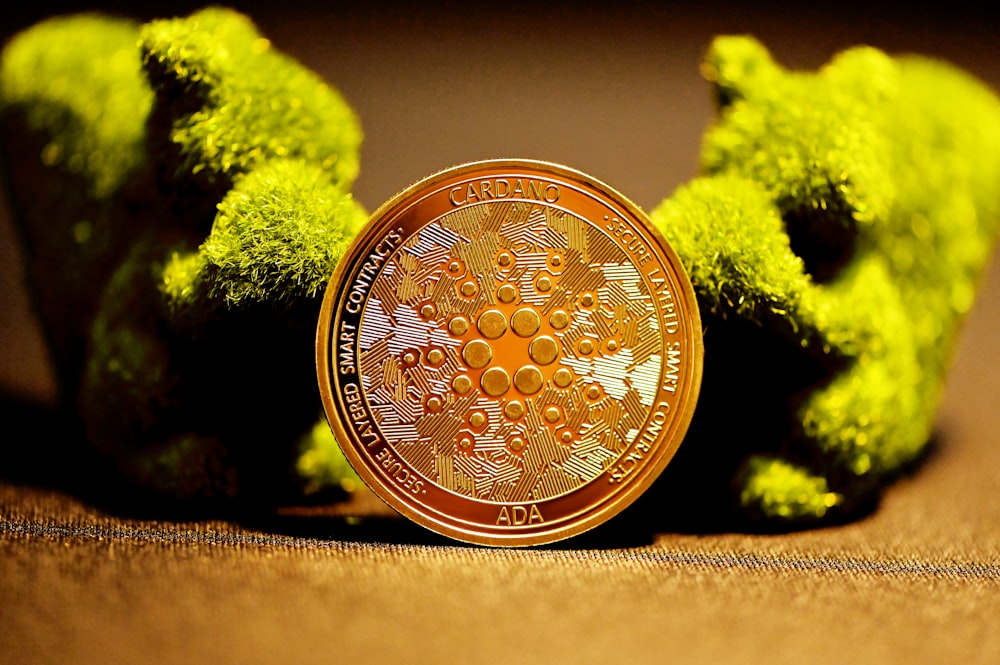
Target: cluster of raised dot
478 353
479 357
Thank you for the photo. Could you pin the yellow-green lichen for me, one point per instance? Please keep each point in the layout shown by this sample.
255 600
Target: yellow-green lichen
882 174
213 175
322 464
234 102
777 489
93 109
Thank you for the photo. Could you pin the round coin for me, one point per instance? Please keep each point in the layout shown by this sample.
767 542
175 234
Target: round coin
509 353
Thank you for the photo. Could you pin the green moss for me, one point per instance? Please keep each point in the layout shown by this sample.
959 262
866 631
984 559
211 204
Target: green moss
128 383
217 205
275 241
811 142
881 175
278 235
79 80
322 464
233 102
73 106
734 247
778 490
182 281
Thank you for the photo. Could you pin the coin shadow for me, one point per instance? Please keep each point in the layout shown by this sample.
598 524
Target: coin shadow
45 449
369 529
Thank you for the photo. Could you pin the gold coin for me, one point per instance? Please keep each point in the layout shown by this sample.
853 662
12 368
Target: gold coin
447 274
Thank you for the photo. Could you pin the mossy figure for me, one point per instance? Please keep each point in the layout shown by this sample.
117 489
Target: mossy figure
183 204
183 193
835 242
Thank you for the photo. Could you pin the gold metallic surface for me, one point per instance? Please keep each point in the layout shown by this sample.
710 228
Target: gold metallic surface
508 353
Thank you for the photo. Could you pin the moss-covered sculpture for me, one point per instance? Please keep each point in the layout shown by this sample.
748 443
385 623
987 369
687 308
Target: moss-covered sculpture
183 192
835 242
183 205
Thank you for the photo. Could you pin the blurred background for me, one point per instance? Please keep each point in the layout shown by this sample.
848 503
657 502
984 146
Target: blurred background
612 89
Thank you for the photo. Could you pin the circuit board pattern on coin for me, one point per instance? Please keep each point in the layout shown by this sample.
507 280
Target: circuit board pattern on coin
510 351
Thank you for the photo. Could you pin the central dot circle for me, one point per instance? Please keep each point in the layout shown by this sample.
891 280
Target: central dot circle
528 379
492 324
543 350
495 381
525 322
477 354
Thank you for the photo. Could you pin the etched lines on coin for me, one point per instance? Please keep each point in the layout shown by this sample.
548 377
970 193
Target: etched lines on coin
504 323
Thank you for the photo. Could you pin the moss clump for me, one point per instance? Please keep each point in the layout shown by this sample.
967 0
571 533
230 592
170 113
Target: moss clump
232 103
92 111
835 242
73 140
778 489
323 464
210 173
276 238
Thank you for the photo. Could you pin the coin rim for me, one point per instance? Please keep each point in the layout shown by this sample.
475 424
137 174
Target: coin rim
614 502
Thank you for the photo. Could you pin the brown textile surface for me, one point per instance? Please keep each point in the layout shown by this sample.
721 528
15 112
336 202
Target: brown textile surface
86 579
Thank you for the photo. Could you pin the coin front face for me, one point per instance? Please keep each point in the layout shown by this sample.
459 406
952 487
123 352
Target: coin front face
508 353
